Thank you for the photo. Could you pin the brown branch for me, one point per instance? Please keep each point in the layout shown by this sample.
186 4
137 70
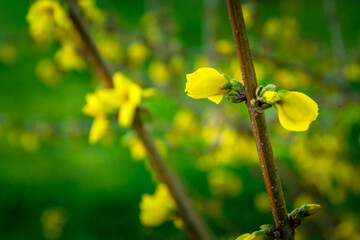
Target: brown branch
258 122
194 224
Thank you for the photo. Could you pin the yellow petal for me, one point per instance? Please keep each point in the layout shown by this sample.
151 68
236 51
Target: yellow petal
127 114
98 129
149 93
109 97
204 83
296 111
127 90
216 99
134 94
93 105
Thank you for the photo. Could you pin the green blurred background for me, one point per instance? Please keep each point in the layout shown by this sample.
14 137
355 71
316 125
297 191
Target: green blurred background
51 176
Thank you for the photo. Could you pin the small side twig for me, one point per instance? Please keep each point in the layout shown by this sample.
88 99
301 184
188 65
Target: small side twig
194 224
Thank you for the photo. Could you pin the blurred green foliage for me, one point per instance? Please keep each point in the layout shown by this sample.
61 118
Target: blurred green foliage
52 178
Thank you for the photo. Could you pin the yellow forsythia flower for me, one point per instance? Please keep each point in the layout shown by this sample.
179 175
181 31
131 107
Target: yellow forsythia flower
95 107
45 18
157 208
261 202
224 183
125 97
296 111
95 104
137 52
225 47
159 72
110 48
53 221
68 58
206 83
129 94
47 71
352 72
91 12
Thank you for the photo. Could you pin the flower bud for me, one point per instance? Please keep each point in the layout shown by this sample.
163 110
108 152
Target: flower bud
271 97
270 87
312 209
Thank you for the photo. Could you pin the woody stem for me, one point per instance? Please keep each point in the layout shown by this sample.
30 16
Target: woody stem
258 122
194 224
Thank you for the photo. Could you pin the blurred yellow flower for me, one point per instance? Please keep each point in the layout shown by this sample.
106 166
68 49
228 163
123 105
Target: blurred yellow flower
29 142
125 97
224 183
137 53
177 64
225 47
96 107
53 221
262 203
8 54
129 95
286 79
272 27
186 121
68 57
47 71
110 48
159 72
46 18
206 83
91 12
157 208
296 110
352 72
248 14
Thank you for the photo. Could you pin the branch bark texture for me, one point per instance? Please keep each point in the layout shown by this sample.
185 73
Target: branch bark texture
194 224
258 122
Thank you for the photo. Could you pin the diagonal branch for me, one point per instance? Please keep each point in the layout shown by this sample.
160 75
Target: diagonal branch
258 122
194 224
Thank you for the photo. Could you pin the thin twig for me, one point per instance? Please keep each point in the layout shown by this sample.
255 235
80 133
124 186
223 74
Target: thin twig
258 123
194 224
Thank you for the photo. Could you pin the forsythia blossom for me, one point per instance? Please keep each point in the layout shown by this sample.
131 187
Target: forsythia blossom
95 107
206 83
125 97
68 57
296 110
157 208
91 12
46 18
